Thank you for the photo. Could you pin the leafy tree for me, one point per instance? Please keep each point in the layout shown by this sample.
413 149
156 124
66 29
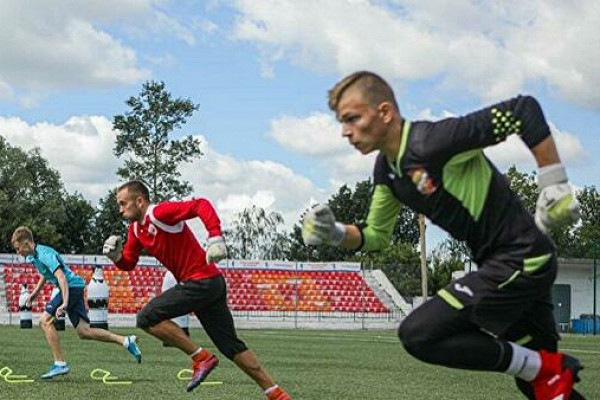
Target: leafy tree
401 263
455 249
572 242
32 194
587 233
108 220
143 134
256 234
297 250
77 231
525 186
350 206
440 271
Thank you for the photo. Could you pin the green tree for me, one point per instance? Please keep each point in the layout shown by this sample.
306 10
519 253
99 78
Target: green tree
143 134
351 206
525 186
587 233
32 194
401 263
440 271
455 249
108 220
256 234
77 229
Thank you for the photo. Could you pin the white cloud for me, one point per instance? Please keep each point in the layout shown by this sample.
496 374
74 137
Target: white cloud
6 92
66 44
318 134
206 26
233 184
55 45
491 49
319 137
333 35
169 24
514 151
80 149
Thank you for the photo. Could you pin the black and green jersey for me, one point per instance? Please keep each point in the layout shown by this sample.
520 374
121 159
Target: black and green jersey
442 172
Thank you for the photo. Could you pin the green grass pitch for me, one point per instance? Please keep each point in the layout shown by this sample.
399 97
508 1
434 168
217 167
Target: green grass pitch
310 365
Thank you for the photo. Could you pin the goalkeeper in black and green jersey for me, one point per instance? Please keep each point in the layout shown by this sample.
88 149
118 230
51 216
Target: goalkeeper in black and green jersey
498 318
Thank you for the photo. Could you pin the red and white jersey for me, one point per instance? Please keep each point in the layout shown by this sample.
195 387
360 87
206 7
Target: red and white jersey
165 235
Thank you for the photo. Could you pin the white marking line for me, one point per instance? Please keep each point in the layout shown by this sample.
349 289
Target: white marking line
373 339
337 338
581 351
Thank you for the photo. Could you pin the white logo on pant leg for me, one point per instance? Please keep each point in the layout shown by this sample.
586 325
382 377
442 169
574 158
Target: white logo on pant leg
463 289
559 397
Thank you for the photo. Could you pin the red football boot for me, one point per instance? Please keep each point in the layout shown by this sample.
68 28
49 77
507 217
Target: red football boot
278 394
202 366
556 378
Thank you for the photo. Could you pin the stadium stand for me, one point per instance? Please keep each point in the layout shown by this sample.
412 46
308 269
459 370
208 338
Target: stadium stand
277 290
248 289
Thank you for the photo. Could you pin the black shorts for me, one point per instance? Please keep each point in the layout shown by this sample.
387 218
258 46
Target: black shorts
508 296
75 308
207 299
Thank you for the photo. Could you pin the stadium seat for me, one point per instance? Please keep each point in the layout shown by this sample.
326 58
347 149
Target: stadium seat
248 289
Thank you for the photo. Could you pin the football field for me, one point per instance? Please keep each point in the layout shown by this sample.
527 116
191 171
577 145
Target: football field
310 365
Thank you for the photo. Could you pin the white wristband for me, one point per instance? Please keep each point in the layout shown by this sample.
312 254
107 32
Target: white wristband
551 175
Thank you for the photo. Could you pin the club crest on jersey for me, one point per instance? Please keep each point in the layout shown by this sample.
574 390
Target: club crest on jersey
423 182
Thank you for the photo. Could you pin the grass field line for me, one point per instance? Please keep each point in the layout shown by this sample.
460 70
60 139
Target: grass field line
375 338
333 337
581 351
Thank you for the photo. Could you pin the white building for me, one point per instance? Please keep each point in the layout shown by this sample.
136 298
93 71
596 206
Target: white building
573 290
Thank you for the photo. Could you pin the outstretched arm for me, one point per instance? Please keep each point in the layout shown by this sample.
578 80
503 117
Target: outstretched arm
545 152
521 115
64 291
173 212
36 291
320 227
556 206
124 257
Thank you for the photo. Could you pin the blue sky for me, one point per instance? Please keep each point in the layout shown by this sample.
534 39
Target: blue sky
260 71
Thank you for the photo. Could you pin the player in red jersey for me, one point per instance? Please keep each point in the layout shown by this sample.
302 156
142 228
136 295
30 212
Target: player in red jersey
161 230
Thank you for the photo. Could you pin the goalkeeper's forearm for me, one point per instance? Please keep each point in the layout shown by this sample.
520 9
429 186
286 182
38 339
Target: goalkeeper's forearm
545 152
353 238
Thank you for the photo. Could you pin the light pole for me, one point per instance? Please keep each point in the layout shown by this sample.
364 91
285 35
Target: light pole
423 256
595 255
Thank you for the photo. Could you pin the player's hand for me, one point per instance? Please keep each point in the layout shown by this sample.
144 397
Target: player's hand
216 250
556 206
60 311
320 227
29 302
113 248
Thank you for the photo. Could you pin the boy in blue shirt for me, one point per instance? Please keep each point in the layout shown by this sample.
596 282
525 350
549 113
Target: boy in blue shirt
70 300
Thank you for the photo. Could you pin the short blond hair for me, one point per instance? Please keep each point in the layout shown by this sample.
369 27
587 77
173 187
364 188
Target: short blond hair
21 234
374 89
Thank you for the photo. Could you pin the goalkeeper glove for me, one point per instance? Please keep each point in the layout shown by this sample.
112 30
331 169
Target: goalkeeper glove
216 249
113 248
556 206
320 227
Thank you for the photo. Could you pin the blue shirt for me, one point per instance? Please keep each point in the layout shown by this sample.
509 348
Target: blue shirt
47 261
